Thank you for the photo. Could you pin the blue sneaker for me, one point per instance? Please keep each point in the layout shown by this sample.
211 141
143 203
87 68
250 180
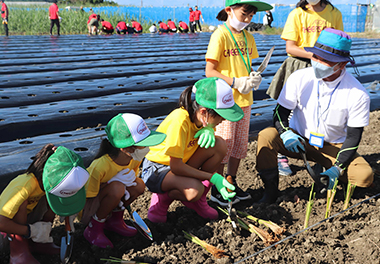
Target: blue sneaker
283 166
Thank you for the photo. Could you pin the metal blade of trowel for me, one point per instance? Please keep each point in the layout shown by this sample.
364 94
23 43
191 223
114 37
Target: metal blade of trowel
231 214
139 223
67 243
265 62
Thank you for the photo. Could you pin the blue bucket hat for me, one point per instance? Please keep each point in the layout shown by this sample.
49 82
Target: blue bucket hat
333 45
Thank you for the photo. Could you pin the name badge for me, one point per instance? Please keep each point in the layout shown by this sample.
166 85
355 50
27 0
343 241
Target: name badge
316 139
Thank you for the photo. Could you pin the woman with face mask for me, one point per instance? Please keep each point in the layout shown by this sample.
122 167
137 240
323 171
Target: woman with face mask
113 184
184 166
302 29
229 57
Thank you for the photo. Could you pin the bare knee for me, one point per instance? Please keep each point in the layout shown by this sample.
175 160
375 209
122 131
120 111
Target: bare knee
115 190
220 146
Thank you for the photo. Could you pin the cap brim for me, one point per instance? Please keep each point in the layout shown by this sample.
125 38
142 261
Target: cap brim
153 139
328 55
69 205
233 114
261 6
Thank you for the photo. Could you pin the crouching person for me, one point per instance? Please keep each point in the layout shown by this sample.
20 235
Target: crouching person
113 184
330 109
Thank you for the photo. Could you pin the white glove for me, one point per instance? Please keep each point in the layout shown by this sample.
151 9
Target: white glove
40 232
126 197
71 221
60 19
255 79
243 84
126 176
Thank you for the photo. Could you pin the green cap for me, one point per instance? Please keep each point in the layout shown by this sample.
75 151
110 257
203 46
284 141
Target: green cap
261 6
125 130
64 177
216 94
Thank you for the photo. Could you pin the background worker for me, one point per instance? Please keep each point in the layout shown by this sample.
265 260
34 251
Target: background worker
171 25
107 27
121 27
137 27
93 24
153 28
54 17
183 27
191 19
197 15
163 28
4 16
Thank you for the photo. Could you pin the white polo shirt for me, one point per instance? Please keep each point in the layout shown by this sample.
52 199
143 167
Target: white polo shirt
340 103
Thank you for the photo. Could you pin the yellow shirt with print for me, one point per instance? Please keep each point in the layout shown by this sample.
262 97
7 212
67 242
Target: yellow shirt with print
222 48
102 170
23 187
304 27
179 143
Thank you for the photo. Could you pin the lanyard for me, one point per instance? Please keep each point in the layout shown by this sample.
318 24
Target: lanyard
328 105
247 64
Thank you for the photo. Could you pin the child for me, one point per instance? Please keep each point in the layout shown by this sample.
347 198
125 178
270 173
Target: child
113 183
107 27
232 64
178 169
121 27
25 216
302 29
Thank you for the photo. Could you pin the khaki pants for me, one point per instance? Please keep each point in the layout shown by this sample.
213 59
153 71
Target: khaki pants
269 143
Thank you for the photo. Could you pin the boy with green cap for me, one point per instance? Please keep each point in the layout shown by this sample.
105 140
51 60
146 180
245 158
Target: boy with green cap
183 167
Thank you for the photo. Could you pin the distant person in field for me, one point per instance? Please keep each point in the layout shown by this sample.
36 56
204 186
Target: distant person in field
163 28
4 16
172 26
54 17
197 16
137 26
183 27
107 27
268 19
93 24
153 28
121 27
191 20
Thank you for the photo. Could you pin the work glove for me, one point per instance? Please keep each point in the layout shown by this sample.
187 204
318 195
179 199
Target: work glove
126 176
5 21
222 184
329 177
60 19
255 79
40 232
126 197
243 84
71 220
292 141
206 137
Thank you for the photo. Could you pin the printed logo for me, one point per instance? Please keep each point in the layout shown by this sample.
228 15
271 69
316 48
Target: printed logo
192 143
142 128
227 99
316 26
67 193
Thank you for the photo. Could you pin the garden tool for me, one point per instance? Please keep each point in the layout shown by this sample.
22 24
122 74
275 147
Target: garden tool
139 223
67 242
319 186
231 213
265 62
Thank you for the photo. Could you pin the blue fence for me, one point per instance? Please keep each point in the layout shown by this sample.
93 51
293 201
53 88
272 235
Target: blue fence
354 16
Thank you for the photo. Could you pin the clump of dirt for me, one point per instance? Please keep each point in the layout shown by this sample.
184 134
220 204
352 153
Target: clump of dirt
352 237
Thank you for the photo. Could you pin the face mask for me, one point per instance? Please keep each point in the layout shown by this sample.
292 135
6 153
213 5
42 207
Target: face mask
236 24
322 71
139 154
313 2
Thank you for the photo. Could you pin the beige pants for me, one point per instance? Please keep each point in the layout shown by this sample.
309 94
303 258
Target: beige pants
269 143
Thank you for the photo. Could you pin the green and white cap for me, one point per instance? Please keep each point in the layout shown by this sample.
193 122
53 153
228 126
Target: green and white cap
125 130
261 6
64 177
216 94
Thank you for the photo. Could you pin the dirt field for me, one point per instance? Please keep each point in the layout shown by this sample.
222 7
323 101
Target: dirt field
351 237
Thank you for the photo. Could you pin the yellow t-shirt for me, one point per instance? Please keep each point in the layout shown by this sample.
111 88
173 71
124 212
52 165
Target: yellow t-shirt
304 27
222 48
179 142
23 187
102 170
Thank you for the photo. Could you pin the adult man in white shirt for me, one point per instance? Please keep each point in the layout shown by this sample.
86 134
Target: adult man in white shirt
330 109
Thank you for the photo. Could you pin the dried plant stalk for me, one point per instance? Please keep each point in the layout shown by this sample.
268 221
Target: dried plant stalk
217 253
330 197
310 204
277 230
349 193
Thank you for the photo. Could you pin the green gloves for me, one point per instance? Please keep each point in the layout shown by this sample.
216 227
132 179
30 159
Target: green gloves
206 137
222 184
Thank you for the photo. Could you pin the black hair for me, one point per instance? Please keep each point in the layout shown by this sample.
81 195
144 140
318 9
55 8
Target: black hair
223 16
304 3
192 106
159 22
169 19
38 164
101 20
107 148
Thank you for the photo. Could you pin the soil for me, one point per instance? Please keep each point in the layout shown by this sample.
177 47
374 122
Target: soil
349 237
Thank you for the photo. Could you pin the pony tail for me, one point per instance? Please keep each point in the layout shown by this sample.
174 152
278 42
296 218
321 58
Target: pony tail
222 15
185 100
107 148
39 161
302 4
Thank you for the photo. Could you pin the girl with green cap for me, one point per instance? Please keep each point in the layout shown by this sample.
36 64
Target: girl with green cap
183 167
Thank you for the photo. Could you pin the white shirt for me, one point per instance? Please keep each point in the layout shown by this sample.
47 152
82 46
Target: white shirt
342 102
153 29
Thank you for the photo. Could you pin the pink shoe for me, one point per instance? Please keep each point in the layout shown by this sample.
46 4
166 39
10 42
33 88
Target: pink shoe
116 224
20 253
201 206
95 235
158 209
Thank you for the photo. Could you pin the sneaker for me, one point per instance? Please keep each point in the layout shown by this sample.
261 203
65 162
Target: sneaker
218 198
240 194
283 166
